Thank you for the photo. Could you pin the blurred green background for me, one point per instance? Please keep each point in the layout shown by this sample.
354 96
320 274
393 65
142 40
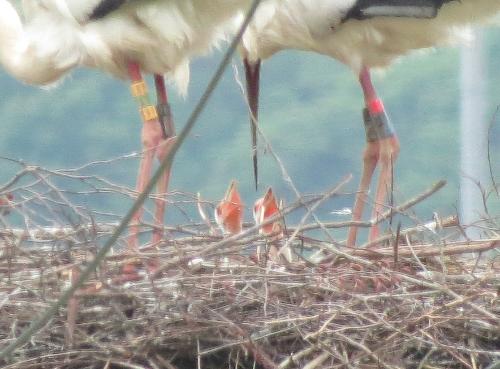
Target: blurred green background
310 112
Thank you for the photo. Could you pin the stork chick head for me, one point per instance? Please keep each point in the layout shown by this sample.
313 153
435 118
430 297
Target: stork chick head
264 209
229 212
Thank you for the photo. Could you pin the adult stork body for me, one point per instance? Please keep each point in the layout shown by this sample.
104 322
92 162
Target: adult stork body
361 34
123 38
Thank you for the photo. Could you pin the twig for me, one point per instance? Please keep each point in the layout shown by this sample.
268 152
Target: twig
38 323
428 250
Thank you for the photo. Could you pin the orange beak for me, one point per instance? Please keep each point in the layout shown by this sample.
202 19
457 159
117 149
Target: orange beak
265 208
229 212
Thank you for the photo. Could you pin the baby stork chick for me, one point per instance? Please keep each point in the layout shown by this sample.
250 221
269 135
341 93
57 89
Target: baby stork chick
229 212
264 209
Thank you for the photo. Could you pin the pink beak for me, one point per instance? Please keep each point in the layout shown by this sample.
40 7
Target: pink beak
229 212
265 208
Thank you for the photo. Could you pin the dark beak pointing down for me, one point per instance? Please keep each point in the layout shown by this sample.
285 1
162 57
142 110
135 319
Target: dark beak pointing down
252 74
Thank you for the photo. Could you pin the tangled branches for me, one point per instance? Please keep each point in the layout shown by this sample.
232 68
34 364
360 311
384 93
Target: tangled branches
414 302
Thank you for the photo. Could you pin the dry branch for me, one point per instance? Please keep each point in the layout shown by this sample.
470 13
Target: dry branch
426 250
213 306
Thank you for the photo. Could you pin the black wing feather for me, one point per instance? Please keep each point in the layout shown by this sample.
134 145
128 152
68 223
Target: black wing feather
364 9
105 7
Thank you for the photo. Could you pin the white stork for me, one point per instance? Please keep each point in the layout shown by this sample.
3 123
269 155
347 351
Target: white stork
362 34
123 38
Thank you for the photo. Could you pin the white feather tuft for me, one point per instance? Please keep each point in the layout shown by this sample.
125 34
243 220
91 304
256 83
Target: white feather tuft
180 76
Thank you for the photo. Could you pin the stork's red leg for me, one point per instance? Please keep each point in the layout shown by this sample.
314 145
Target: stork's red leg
153 137
370 159
388 153
162 151
382 147
149 136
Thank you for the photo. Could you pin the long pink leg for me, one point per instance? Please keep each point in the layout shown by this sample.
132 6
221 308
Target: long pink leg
162 151
370 159
388 153
382 146
152 137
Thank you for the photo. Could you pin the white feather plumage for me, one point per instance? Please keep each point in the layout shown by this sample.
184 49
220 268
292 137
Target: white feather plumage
376 42
160 35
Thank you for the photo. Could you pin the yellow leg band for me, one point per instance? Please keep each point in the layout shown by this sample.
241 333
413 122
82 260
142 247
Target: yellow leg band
139 88
149 113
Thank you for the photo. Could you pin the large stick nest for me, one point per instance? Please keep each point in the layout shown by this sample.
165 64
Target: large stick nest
410 303
232 312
